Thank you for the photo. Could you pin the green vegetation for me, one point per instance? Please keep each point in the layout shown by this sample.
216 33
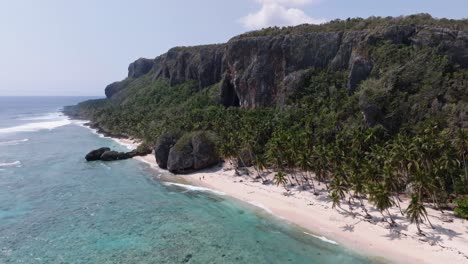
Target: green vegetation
354 24
417 143
462 208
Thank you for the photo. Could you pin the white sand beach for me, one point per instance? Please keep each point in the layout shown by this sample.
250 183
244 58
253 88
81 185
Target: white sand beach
447 242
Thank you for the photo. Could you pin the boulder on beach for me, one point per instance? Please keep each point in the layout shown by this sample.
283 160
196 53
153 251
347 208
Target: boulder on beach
96 154
193 151
163 145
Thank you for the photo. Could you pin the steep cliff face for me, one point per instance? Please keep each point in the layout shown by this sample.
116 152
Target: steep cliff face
200 63
261 70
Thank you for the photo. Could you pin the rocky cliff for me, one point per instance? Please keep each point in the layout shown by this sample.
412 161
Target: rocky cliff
260 70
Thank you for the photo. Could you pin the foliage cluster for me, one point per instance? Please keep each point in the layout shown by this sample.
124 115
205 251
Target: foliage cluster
462 208
355 24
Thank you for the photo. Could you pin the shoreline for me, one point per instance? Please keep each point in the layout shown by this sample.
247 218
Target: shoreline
315 217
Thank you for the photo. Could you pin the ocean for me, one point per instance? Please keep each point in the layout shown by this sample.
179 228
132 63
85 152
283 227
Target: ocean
57 208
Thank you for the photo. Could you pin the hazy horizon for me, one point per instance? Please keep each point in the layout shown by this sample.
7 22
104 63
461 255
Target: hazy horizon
76 48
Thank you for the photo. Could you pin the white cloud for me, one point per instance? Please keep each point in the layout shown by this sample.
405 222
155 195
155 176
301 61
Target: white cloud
279 13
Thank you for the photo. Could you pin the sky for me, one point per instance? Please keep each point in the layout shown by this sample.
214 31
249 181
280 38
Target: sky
53 47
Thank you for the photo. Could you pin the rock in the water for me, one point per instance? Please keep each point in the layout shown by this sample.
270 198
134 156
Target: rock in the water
96 154
106 154
163 145
114 155
193 151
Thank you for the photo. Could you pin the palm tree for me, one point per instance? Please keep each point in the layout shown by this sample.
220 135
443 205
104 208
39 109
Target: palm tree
381 197
416 212
460 143
280 178
305 166
336 199
260 165
338 189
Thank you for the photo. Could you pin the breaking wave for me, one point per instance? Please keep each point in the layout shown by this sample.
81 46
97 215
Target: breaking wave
49 116
32 127
11 164
193 188
13 142
324 239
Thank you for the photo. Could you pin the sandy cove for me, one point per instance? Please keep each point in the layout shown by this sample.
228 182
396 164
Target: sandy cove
448 242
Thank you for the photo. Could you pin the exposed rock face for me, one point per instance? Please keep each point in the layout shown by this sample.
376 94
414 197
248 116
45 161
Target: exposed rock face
163 145
192 152
257 66
258 71
360 68
114 88
140 67
201 63
96 154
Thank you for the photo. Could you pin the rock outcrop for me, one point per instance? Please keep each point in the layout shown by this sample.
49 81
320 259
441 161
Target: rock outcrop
96 154
161 150
193 151
106 154
140 67
114 155
115 87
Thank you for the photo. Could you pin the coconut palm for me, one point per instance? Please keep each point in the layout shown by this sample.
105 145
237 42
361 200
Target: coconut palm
260 165
416 212
280 178
304 164
381 197
338 187
460 143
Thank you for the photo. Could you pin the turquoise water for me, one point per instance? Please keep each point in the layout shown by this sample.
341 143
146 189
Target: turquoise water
57 208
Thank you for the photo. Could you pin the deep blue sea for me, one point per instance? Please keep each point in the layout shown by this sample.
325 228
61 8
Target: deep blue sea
57 208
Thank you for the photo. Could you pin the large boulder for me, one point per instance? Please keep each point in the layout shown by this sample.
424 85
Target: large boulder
193 151
96 154
163 145
204 151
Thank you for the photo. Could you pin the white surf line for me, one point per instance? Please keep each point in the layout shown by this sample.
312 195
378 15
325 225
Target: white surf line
324 239
33 127
261 206
13 142
11 164
129 146
193 188
48 116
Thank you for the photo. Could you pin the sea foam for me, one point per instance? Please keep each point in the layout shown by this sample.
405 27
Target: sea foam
261 206
324 239
13 142
48 116
11 164
193 188
32 127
